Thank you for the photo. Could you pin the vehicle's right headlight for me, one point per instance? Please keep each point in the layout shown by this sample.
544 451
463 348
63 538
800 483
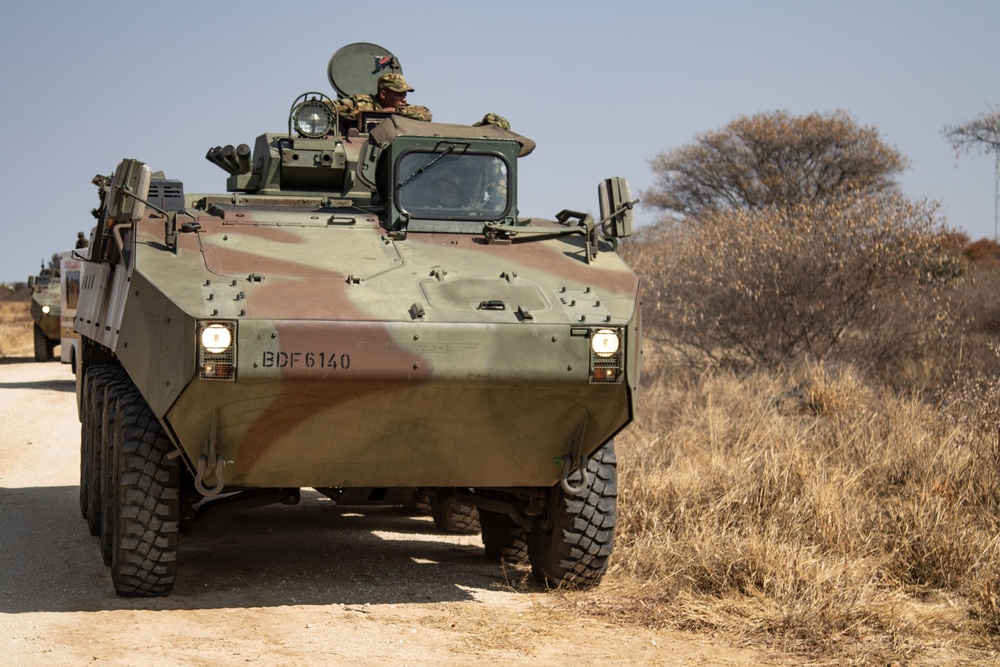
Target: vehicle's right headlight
607 355
605 342
313 119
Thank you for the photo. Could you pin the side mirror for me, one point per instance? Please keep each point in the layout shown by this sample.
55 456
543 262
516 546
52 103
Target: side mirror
616 207
31 282
129 191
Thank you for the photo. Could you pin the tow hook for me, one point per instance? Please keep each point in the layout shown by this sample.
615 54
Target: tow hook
572 462
217 463
200 474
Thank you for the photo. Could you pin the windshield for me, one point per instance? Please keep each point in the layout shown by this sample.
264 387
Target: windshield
445 186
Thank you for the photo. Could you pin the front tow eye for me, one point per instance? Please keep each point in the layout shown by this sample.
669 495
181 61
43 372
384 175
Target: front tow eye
568 467
199 478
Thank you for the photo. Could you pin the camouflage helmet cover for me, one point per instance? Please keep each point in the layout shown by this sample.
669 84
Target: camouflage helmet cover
394 82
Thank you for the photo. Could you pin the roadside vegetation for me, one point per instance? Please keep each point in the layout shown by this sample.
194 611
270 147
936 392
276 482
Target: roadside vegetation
815 466
15 321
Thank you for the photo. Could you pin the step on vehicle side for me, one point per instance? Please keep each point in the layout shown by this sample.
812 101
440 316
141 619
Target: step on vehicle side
330 323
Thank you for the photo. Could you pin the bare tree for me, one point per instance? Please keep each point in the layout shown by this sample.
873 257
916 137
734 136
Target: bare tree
774 159
981 135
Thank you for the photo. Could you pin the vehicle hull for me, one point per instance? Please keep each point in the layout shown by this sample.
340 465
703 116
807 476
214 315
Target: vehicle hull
376 362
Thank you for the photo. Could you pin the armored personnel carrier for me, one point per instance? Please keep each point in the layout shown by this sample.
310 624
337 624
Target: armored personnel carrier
366 313
45 312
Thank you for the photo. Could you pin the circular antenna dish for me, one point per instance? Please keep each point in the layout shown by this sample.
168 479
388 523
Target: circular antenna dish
355 69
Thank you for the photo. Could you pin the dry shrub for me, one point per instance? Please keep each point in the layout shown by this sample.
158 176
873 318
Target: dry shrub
810 510
14 292
16 328
766 286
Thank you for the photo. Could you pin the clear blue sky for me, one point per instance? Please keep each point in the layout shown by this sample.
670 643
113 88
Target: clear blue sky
602 87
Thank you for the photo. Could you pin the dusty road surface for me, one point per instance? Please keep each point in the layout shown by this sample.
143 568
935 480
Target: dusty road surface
309 584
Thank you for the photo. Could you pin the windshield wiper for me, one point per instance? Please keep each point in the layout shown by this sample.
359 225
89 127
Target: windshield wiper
425 167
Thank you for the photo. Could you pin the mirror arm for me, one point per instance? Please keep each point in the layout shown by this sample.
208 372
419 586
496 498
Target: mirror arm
626 206
128 191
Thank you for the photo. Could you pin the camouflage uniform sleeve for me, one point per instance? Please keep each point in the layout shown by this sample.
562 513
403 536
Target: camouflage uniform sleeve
348 108
415 111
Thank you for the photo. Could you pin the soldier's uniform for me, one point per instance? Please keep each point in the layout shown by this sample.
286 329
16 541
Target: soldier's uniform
349 108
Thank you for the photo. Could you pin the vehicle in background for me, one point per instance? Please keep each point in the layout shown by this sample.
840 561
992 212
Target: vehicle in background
46 301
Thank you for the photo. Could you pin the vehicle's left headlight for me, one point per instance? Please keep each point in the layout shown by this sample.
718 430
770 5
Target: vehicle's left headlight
217 350
45 310
313 119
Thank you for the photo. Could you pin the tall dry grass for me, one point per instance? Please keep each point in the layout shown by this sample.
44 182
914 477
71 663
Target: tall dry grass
809 510
16 338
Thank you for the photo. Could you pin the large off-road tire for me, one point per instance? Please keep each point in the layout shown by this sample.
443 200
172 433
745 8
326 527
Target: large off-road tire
113 385
419 503
86 446
91 445
454 517
43 351
503 539
146 502
572 544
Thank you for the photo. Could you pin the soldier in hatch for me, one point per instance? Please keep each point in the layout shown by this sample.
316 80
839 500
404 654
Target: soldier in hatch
391 96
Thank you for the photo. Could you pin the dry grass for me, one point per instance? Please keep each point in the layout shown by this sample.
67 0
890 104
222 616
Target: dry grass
805 509
15 329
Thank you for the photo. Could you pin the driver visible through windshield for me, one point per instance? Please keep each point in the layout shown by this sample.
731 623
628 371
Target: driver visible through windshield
452 187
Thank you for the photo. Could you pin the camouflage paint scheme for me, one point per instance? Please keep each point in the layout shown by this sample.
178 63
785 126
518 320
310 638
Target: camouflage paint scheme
46 292
364 356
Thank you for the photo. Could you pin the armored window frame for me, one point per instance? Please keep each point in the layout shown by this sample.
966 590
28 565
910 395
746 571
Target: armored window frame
415 170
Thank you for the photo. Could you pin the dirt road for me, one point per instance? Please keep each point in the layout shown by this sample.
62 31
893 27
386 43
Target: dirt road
312 583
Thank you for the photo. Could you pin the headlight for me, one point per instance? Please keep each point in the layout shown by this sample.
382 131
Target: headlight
45 310
605 343
216 338
607 358
313 119
217 350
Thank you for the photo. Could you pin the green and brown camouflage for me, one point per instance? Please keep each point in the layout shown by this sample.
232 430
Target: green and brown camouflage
45 312
328 323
